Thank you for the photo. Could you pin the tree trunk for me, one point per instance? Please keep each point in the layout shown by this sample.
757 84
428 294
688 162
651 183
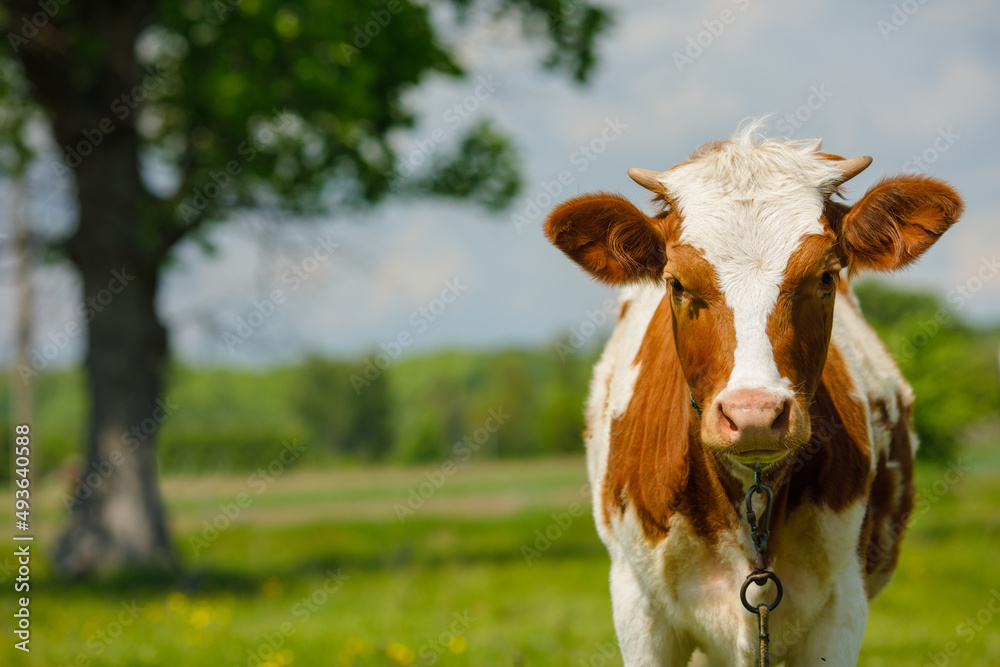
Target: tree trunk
83 70
116 515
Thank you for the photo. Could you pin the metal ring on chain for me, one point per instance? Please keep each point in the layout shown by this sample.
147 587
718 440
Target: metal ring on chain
760 578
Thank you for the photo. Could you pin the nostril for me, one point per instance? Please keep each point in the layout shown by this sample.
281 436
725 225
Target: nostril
731 424
780 426
725 421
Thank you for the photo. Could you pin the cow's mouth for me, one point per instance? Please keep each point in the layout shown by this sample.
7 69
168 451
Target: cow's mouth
765 456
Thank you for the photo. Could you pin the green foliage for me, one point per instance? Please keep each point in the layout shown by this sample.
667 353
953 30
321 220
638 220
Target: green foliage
572 27
447 401
18 112
951 366
484 169
294 103
295 93
234 448
342 419
505 404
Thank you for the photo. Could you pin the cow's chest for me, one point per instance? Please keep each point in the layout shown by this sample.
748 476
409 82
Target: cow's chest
694 583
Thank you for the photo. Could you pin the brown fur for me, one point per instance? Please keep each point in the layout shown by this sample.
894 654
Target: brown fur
896 221
656 464
609 237
799 327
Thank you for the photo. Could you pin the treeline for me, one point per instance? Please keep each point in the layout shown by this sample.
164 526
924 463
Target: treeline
464 405
460 405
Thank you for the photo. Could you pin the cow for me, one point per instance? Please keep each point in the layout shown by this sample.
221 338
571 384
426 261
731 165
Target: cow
739 343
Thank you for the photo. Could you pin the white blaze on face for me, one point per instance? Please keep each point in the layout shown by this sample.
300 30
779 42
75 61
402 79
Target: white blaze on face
747 207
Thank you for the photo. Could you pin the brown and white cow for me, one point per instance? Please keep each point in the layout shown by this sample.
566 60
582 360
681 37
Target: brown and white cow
735 298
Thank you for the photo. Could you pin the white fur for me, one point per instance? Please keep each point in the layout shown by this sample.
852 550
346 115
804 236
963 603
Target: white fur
747 207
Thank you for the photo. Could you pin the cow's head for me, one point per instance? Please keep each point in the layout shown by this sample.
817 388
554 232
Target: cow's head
751 248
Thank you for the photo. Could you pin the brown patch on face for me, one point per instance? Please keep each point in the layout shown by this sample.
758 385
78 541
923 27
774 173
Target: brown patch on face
702 322
890 506
655 465
799 326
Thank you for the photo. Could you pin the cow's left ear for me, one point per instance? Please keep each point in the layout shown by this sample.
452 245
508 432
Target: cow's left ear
896 221
609 237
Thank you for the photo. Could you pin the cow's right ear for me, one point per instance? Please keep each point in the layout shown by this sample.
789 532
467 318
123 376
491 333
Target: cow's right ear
896 221
609 237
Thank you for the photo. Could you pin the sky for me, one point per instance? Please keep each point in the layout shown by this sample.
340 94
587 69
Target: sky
916 85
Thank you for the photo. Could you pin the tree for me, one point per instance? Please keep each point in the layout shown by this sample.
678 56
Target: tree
344 417
240 102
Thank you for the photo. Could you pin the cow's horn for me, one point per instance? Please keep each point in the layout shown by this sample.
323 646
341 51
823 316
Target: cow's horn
852 167
648 179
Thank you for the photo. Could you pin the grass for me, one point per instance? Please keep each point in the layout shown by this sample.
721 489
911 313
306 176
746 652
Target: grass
318 571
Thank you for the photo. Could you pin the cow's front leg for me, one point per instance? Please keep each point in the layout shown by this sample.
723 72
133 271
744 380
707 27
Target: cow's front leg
835 636
645 637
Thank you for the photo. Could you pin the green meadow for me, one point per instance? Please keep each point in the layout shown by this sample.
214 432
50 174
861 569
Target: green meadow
330 567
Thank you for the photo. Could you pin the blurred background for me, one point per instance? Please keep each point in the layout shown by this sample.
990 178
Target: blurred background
304 378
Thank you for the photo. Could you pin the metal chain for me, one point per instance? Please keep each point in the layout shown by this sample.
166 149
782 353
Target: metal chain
760 575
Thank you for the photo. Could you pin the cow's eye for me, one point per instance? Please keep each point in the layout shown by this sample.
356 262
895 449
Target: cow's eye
827 282
676 286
